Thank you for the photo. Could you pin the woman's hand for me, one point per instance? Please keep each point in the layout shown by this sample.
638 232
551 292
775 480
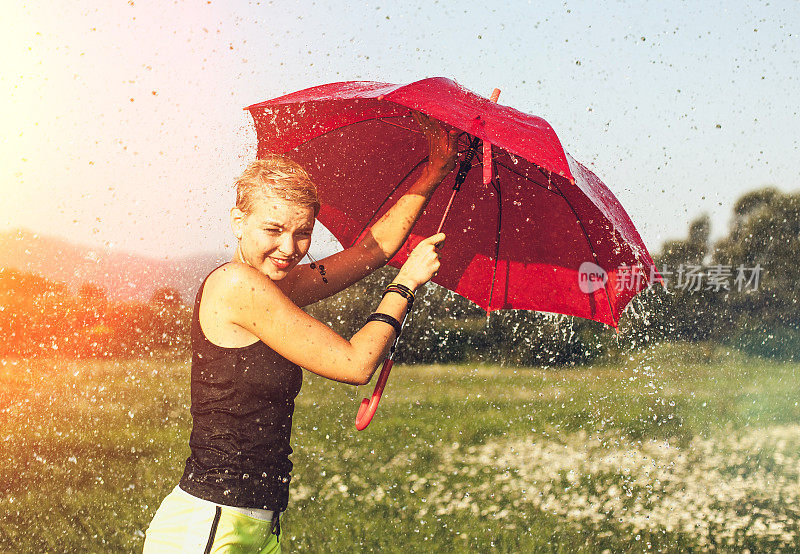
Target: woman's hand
422 263
442 151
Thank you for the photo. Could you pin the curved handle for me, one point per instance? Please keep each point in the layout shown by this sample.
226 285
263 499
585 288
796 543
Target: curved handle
370 405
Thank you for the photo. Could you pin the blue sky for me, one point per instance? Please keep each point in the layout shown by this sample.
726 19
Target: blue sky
123 124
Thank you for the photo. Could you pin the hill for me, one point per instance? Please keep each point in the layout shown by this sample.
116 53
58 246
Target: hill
125 276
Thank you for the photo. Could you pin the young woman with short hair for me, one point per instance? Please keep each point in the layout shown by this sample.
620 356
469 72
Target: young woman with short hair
250 338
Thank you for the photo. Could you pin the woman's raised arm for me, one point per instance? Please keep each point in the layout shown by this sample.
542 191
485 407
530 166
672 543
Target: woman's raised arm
304 285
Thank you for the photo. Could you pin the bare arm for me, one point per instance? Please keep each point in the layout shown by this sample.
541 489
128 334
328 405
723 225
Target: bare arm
247 298
305 286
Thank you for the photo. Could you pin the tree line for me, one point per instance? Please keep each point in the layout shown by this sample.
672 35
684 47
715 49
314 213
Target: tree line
763 319
740 291
39 317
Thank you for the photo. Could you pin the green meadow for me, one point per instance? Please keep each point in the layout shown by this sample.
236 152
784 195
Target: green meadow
678 448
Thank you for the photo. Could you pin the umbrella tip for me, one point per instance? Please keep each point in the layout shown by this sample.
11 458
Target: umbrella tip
495 95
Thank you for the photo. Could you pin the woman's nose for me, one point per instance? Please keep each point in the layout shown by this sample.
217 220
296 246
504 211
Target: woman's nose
287 246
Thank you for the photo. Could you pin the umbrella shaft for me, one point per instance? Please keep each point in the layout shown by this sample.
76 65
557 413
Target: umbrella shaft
466 163
463 169
446 211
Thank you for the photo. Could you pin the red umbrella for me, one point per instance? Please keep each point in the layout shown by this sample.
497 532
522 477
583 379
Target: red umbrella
544 233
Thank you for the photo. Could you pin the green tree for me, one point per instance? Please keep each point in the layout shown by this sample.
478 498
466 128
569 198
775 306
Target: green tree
688 310
765 235
692 250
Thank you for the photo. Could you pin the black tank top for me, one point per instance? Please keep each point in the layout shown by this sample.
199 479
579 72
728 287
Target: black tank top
242 405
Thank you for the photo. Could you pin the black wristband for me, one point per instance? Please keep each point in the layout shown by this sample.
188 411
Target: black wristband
397 290
377 316
401 287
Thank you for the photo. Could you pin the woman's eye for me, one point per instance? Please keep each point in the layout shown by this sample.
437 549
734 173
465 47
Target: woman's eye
272 231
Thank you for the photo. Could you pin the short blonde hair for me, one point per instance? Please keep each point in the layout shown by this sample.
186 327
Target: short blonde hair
278 176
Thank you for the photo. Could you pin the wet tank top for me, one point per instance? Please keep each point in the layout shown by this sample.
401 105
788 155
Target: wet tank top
242 405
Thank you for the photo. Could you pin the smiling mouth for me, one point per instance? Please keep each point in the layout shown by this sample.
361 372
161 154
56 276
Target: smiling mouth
281 263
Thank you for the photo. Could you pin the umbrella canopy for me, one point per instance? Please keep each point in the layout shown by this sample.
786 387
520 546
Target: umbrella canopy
545 234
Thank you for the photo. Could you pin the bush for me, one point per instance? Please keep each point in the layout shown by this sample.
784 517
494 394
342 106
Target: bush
776 343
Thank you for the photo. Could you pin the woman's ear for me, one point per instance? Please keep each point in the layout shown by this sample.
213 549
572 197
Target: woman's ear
237 222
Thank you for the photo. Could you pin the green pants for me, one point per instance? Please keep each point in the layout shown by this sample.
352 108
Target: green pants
187 524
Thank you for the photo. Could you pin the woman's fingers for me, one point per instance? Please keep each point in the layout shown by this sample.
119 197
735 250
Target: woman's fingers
425 123
436 239
430 248
442 144
431 127
452 141
423 262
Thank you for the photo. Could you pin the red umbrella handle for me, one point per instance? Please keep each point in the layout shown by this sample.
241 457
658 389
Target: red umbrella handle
370 405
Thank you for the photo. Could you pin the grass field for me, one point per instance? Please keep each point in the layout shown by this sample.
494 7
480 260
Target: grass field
670 451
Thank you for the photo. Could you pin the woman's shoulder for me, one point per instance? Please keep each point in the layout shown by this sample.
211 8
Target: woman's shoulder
234 294
235 279
222 301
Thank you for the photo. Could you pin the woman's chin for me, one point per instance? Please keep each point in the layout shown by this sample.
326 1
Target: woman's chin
275 273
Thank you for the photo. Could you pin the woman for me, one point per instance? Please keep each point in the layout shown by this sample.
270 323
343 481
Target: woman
250 338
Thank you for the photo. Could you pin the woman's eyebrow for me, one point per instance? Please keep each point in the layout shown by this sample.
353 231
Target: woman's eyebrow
271 223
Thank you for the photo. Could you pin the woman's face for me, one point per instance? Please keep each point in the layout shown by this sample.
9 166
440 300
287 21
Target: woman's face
274 237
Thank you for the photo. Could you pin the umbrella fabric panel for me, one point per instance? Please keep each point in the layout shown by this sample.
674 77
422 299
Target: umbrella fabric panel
542 246
527 223
347 163
618 248
605 201
343 90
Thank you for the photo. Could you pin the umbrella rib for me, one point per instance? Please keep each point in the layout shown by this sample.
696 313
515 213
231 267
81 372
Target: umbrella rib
589 244
556 192
383 120
378 209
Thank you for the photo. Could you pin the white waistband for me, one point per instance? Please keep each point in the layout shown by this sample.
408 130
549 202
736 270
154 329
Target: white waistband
256 513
